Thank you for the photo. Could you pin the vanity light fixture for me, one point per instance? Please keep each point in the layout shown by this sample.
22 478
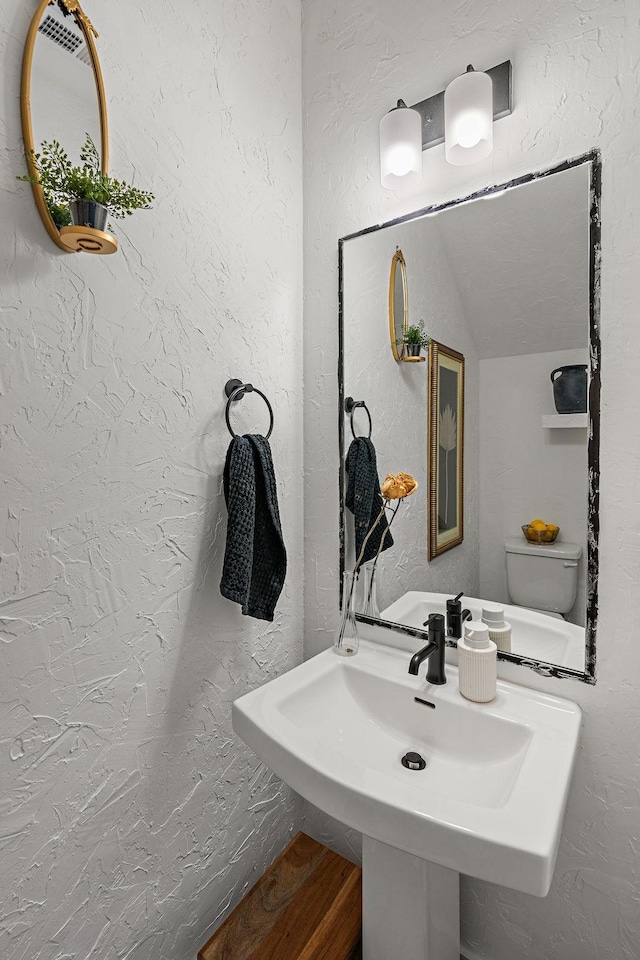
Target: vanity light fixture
401 147
460 117
468 118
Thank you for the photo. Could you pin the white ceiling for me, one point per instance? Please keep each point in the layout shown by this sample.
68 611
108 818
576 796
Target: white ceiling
520 261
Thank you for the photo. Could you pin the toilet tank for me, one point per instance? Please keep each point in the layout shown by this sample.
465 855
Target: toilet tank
542 576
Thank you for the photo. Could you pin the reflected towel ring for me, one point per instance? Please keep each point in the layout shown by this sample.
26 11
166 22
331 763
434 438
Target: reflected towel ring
350 405
235 390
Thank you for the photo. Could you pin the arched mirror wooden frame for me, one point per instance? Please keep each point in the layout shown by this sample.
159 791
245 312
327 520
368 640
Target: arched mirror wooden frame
398 265
73 8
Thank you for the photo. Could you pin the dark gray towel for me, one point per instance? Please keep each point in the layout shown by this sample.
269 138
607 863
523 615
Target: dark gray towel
364 498
255 559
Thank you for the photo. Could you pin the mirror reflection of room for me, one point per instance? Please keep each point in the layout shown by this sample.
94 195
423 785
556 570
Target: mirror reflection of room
517 309
64 100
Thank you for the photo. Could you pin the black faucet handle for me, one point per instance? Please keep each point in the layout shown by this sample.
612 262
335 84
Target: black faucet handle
435 623
454 617
454 605
433 651
432 618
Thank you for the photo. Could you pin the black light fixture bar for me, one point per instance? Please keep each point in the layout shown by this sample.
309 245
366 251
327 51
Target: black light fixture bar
432 109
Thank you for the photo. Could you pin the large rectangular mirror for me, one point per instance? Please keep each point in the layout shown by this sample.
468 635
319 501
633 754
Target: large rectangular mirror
485 387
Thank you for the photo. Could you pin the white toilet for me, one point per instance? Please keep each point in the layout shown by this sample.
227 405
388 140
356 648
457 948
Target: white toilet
543 578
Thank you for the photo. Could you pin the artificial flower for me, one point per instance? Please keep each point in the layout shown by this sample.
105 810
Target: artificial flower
397 486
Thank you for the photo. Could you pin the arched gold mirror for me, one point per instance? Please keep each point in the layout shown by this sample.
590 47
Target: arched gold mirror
398 304
62 100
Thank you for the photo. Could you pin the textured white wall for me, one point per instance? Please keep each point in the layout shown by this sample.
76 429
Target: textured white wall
575 87
396 394
527 471
132 817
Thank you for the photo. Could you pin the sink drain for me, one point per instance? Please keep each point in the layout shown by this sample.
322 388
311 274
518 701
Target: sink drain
413 761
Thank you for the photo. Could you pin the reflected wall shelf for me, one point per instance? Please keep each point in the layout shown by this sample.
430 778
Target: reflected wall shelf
564 420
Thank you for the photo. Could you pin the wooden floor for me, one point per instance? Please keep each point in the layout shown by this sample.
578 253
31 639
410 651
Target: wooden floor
307 906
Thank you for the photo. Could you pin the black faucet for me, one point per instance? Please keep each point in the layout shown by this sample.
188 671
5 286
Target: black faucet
456 617
433 652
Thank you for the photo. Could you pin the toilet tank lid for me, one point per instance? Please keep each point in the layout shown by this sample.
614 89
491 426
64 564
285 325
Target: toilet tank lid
561 550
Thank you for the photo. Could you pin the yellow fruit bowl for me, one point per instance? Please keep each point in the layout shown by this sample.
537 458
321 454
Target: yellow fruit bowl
548 535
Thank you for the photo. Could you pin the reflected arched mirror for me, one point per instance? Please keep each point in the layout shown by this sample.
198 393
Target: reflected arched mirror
62 97
398 304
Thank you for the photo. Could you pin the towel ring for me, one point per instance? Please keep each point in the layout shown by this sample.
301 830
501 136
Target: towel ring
350 405
235 390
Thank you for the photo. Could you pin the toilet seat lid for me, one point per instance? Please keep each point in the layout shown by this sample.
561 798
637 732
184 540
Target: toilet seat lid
560 551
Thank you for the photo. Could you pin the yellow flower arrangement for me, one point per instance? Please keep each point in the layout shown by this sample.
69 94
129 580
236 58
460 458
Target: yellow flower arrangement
398 486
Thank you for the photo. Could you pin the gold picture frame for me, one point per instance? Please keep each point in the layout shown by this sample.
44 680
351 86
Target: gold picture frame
446 449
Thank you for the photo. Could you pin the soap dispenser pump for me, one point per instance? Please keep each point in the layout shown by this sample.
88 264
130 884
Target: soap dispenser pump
499 629
477 663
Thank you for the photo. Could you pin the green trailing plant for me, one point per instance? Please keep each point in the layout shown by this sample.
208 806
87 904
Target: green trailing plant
62 183
60 213
415 334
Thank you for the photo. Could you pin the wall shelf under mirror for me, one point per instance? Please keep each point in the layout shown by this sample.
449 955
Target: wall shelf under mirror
509 277
565 421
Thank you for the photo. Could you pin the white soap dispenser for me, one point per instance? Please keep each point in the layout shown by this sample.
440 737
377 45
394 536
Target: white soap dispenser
499 629
477 663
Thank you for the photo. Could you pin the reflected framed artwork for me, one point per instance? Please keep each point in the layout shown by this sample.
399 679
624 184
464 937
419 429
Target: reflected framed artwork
446 448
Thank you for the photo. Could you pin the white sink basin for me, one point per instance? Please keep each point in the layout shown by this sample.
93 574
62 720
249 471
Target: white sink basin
491 800
533 634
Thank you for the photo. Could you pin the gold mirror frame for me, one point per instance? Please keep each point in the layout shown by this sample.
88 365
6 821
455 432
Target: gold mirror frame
89 32
398 260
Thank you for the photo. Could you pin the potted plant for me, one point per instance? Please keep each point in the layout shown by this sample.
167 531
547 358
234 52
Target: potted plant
82 195
415 339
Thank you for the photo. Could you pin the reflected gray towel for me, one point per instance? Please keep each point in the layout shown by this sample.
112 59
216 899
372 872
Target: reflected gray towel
255 559
364 498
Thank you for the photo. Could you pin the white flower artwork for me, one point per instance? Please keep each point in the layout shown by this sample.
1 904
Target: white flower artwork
446 443
448 439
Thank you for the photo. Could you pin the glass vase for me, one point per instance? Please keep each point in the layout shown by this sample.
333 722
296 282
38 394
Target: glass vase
369 595
346 642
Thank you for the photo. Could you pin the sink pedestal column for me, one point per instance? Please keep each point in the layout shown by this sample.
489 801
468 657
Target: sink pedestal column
410 907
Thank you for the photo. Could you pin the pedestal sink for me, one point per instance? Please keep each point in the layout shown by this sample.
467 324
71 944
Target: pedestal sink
489 803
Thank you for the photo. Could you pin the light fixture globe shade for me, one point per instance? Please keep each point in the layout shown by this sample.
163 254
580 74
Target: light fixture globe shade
468 118
401 148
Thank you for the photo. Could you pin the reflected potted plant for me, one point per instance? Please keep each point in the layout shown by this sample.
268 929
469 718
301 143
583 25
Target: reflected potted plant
415 339
83 195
